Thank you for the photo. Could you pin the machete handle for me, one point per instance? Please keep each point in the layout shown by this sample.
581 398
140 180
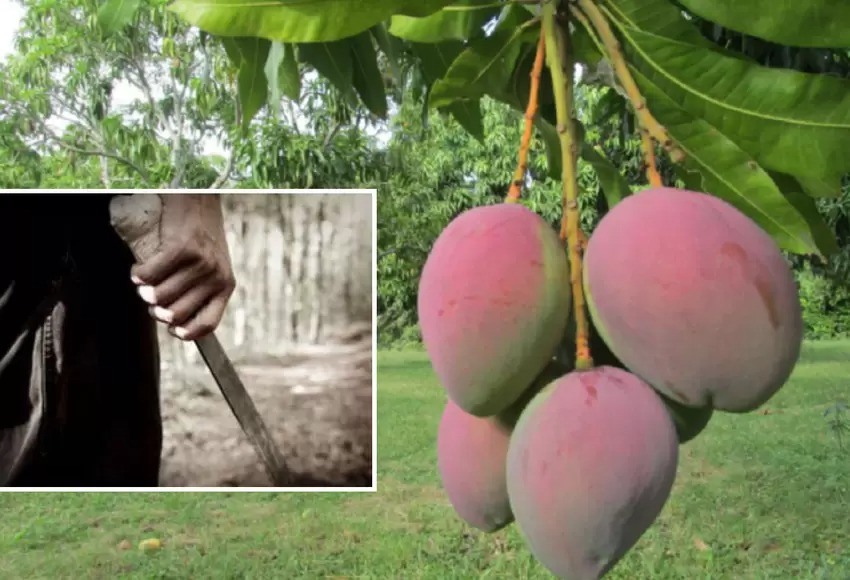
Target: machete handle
136 219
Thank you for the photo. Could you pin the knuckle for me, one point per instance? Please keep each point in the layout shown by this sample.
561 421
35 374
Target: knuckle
187 249
220 278
206 263
194 252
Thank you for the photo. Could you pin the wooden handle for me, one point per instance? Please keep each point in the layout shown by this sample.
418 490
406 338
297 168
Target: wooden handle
137 218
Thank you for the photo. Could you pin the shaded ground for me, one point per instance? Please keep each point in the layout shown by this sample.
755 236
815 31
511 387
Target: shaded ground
317 403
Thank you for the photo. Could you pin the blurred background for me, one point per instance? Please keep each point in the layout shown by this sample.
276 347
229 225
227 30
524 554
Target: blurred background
299 330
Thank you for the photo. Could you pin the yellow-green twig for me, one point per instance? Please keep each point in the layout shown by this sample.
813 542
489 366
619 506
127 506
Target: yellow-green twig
560 64
530 112
588 11
652 174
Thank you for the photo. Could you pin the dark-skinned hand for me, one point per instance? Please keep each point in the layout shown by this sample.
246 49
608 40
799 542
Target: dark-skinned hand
189 281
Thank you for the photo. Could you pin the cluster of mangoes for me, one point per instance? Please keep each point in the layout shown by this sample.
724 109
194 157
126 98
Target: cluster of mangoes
693 309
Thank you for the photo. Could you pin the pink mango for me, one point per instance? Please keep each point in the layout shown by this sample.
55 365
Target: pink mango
494 300
472 455
590 465
695 298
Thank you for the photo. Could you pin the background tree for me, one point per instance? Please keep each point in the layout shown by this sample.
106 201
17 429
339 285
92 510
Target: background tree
59 89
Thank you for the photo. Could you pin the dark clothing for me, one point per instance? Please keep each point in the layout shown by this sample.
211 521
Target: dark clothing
79 359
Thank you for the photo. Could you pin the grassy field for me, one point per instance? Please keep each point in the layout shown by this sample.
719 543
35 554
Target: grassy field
763 495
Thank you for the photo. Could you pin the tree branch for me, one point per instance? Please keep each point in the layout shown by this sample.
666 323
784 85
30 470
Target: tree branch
224 174
293 122
105 154
331 133
104 172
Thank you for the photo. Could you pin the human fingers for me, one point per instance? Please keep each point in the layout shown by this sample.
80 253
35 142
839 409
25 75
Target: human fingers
204 322
186 305
161 265
179 283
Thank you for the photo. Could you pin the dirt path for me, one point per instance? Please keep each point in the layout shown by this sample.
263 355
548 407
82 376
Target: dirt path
316 402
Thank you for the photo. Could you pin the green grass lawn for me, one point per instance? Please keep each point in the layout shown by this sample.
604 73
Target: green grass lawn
763 495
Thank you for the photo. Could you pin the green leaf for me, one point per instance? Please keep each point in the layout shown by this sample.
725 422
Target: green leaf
468 116
729 173
789 121
611 104
584 49
282 73
516 93
367 78
113 15
521 79
486 66
251 55
829 187
462 20
419 9
660 17
823 235
513 15
552 143
332 60
296 21
614 186
811 23
435 60
691 178
793 191
392 48
231 48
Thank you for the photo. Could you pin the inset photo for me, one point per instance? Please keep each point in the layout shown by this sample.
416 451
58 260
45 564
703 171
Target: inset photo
188 339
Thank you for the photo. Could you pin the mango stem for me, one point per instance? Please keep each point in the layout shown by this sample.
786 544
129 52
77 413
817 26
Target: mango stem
592 18
559 61
530 112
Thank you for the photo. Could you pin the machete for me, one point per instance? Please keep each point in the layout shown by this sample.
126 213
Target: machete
136 218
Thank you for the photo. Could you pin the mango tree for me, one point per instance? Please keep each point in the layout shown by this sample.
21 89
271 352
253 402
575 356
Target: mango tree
688 290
